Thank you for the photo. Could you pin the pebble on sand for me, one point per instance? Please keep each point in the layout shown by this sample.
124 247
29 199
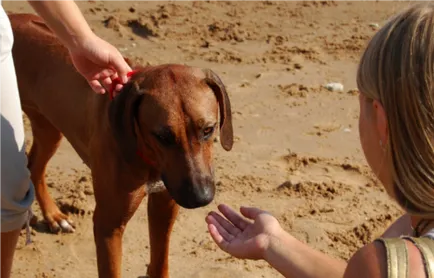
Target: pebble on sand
374 25
335 87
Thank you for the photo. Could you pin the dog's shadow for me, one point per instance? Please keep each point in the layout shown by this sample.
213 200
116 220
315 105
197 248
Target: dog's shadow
41 227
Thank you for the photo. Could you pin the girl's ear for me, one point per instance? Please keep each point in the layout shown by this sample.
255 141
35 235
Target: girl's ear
381 121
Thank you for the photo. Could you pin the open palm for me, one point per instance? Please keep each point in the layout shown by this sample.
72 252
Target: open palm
240 237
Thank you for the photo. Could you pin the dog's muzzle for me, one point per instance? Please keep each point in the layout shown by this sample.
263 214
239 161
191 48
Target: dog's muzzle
192 193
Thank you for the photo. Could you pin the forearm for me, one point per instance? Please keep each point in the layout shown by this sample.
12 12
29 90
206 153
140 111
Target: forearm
292 258
65 19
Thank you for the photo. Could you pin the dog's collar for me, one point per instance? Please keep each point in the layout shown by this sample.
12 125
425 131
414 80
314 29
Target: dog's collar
115 82
145 159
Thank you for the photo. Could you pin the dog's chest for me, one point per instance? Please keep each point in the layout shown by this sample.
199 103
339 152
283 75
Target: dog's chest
155 187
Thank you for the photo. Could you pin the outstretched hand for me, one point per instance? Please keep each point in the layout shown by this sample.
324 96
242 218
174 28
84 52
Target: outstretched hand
99 62
240 237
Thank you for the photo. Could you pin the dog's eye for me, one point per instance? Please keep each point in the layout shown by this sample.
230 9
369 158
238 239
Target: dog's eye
207 132
166 137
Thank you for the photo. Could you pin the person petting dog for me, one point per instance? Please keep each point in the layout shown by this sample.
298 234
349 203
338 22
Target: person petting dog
97 60
395 78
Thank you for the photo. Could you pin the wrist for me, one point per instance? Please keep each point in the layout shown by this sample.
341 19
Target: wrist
276 242
78 40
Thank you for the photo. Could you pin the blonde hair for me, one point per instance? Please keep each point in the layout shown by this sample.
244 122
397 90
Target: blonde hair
397 69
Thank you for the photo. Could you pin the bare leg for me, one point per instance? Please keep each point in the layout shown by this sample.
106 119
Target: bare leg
17 192
8 243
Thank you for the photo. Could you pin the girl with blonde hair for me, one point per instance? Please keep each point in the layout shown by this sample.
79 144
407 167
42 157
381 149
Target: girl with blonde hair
396 83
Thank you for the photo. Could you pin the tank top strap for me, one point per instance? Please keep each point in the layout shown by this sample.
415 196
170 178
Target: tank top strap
425 245
397 257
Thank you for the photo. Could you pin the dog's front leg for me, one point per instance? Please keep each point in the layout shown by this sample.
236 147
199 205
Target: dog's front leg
162 212
114 208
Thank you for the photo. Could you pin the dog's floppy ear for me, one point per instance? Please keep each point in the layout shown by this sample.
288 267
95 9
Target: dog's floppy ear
122 114
226 129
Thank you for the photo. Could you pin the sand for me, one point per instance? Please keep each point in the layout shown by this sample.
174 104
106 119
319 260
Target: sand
296 154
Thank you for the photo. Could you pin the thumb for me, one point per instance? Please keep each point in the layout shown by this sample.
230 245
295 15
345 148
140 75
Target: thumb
250 212
121 67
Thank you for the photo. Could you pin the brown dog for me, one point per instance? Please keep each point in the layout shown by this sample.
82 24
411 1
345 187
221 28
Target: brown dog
168 113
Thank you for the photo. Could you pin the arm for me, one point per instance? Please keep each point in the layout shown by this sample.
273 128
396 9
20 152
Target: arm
265 239
65 19
369 261
97 60
293 258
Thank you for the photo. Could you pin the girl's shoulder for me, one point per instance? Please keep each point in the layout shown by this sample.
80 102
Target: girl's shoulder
398 257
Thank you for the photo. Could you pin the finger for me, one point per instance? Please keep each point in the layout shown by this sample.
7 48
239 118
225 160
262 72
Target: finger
106 82
218 239
234 217
215 234
118 87
250 212
104 74
226 224
121 67
96 86
222 231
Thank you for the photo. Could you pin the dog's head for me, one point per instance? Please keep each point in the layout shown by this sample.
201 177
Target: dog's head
170 113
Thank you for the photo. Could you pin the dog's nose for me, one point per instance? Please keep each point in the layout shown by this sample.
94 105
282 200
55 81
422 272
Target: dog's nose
198 193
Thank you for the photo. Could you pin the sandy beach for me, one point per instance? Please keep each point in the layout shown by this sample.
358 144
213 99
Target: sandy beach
296 153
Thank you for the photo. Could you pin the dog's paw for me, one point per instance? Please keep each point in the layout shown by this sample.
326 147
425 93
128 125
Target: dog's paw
59 222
